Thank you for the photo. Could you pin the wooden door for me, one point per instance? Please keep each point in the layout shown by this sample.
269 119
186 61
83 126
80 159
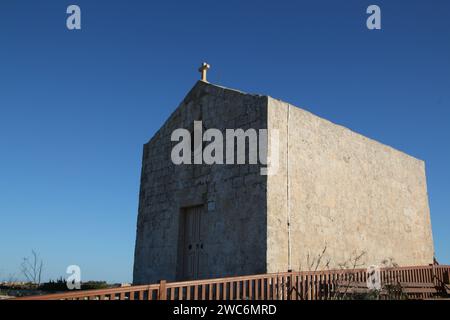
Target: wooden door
193 243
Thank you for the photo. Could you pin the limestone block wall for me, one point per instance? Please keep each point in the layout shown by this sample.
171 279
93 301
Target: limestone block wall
234 196
342 191
347 193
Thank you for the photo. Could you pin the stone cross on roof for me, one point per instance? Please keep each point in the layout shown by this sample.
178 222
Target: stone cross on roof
203 69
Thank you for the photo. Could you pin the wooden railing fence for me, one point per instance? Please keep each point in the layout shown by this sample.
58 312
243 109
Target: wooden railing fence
302 285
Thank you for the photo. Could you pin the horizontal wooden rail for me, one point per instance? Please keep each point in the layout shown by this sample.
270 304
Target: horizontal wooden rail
149 292
301 285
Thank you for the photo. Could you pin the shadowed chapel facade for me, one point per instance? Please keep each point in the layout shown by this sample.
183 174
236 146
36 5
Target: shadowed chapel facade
338 189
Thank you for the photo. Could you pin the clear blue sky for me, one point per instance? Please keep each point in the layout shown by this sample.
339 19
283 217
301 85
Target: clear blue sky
77 106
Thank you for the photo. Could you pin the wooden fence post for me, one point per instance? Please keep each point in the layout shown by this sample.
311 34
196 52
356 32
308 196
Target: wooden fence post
162 290
433 274
291 285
